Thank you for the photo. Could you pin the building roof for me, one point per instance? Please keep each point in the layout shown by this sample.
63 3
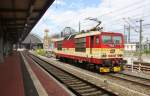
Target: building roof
31 38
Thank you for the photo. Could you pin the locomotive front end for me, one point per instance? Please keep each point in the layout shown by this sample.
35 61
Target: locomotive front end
112 49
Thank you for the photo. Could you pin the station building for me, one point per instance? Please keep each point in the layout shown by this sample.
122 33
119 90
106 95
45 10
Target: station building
32 41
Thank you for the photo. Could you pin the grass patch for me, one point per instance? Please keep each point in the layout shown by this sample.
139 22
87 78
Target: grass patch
40 52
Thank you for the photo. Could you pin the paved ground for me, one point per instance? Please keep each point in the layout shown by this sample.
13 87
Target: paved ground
11 82
16 79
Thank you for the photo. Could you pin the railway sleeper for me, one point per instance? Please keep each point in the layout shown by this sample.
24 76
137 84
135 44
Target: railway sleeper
95 93
63 75
70 83
78 85
82 87
89 90
56 71
63 78
74 80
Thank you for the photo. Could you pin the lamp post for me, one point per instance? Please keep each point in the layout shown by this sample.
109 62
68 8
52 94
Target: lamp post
46 39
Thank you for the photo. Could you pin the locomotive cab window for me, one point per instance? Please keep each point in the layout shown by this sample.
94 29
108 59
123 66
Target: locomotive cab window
117 40
106 39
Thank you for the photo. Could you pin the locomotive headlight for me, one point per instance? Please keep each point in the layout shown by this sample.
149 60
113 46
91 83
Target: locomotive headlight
120 55
112 51
121 49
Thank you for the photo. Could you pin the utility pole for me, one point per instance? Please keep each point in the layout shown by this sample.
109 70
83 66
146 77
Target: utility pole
79 27
124 29
147 45
125 36
30 43
140 43
129 33
46 39
128 29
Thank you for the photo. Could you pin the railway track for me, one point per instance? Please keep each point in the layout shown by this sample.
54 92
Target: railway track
132 82
129 81
77 85
135 79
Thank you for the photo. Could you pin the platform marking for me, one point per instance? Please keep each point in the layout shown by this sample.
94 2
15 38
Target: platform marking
40 89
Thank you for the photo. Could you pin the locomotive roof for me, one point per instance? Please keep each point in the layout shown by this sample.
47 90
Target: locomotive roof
58 39
91 33
80 35
70 37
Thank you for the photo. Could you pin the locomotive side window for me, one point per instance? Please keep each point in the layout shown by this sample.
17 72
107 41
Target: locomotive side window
106 39
97 39
59 45
80 44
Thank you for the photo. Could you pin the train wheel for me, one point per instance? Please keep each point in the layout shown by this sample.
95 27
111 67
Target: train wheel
87 66
90 67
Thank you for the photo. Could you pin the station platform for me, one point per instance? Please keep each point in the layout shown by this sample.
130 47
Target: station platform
18 79
11 81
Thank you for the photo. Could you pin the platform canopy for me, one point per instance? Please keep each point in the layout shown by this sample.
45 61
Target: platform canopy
18 17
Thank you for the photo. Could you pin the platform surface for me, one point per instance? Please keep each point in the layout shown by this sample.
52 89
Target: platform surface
14 80
11 82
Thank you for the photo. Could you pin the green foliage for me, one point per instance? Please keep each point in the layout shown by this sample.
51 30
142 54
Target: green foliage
40 52
146 51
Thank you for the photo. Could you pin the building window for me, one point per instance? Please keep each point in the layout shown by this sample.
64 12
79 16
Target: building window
80 44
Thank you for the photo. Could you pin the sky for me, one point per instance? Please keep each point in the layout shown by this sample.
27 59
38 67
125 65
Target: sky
114 14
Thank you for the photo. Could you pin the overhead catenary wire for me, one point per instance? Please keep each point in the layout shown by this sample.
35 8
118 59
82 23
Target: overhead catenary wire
125 7
113 20
124 10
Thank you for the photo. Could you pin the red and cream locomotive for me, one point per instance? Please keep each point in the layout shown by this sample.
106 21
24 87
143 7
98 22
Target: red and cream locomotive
102 49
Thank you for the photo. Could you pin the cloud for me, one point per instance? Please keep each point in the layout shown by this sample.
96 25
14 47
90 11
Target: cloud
111 13
59 2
